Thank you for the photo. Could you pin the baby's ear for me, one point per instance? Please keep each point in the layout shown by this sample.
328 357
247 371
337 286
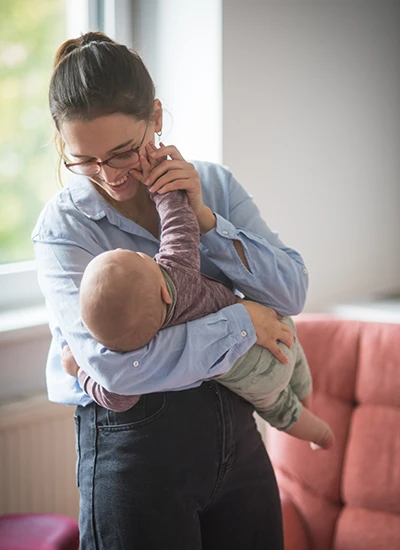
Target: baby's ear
165 295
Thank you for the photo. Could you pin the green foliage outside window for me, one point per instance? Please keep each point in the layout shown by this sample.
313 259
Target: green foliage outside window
30 33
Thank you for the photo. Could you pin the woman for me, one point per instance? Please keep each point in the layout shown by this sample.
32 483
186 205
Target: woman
181 469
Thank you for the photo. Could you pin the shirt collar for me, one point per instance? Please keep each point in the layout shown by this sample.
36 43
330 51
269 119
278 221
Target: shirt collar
85 197
89 201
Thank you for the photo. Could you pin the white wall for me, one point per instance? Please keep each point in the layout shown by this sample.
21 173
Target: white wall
311 126
181 44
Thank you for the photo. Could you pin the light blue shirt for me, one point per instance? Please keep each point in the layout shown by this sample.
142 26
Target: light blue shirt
78 224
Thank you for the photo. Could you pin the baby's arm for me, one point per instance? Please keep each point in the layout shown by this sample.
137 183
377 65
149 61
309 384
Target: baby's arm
104 398
180 233
179 255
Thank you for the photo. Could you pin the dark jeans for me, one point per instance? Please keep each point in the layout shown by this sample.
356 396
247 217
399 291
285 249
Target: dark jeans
182 470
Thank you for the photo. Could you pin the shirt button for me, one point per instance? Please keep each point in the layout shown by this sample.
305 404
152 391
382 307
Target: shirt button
305 271
225 233
243 333
135 364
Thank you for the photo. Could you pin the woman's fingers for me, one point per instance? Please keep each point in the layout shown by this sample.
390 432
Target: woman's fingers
286 336
170 171
171 180
169 150
269 329
163 167
278 353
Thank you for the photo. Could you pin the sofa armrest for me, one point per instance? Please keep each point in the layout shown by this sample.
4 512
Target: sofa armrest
295 532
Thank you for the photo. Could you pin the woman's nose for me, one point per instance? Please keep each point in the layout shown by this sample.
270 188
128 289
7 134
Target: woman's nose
109 174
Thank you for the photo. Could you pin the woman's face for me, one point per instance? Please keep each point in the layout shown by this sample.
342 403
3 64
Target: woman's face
100 139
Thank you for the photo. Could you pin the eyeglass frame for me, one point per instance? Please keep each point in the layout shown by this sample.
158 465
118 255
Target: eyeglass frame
106 162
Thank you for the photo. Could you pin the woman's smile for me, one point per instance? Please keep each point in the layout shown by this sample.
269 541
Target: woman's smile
121 189
120 182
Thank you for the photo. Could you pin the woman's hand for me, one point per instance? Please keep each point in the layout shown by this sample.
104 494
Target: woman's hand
172 172
68 362
175 173
269 328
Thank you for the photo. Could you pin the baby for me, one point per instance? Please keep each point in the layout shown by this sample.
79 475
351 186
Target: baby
127 297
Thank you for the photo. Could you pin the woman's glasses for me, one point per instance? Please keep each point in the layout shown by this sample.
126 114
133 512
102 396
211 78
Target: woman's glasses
121 160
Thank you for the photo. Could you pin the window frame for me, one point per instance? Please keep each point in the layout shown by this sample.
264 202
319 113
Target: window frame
19 288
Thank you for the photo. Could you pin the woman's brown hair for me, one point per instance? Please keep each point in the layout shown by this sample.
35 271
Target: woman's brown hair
94 76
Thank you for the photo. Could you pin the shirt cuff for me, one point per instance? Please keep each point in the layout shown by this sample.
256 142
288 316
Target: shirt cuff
217 245
242 337
211 242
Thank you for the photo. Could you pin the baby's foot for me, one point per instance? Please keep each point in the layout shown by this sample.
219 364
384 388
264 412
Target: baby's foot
325 441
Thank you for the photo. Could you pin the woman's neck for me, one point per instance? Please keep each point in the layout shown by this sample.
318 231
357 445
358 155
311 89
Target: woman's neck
140 209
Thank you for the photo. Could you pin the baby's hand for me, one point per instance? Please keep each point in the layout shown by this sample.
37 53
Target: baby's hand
148 162
68 362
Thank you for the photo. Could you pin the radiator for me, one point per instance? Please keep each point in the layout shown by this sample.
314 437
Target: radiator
37 458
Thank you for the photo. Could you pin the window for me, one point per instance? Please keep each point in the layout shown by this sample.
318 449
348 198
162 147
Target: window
30 33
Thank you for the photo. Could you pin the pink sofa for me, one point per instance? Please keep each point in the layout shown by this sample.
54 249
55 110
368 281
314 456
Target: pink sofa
347 498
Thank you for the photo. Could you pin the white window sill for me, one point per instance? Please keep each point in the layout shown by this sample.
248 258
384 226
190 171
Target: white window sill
23 323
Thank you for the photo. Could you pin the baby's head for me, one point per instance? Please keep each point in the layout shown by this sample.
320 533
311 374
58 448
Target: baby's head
123 299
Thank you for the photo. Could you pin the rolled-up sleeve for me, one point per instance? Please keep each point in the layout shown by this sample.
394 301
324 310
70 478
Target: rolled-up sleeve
277 276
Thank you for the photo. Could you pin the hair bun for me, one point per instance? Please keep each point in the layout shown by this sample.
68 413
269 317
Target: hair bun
75 43
95 36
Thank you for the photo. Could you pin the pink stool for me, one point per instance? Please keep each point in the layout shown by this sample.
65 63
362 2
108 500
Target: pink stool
38 532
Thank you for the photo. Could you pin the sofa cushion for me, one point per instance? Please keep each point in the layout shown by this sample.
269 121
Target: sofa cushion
378 376
361 529
348 498
371 472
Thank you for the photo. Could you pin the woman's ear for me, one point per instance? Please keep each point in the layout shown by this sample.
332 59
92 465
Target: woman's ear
157 115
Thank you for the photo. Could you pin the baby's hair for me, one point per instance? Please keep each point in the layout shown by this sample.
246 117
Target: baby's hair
121 304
